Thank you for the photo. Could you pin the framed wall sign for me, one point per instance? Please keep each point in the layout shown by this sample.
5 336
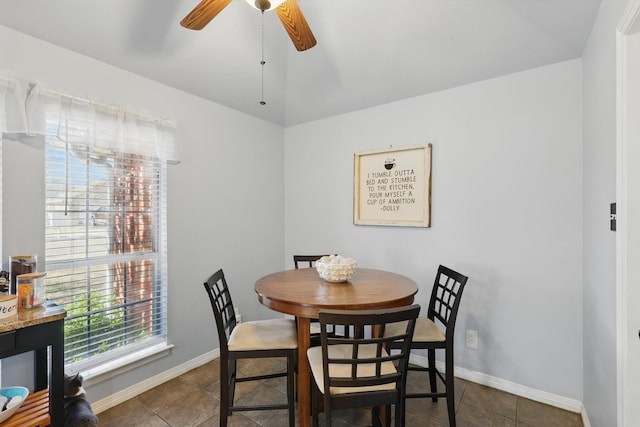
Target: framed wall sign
393 187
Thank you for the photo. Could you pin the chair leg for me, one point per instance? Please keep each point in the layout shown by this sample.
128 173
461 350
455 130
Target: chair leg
233 363
291 364
431 356
225 381
399 414
327 411
451 399
314 404
376 420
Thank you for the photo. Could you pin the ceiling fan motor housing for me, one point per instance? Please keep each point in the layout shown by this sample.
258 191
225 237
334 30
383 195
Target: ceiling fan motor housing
263 4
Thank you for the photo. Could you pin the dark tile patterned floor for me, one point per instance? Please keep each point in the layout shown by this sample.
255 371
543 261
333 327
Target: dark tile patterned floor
192 400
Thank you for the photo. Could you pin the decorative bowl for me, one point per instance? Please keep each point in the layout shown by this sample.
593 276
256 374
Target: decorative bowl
335 268
11 399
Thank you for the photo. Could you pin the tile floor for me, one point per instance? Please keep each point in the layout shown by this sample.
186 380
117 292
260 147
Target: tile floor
192 400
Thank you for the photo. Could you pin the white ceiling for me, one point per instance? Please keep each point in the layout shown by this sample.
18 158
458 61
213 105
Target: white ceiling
369 52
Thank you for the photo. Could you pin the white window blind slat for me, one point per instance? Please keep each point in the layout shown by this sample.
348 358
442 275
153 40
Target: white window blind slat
105 243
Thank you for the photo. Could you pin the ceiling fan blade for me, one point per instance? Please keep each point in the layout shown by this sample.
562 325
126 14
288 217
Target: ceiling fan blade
296 25
203 13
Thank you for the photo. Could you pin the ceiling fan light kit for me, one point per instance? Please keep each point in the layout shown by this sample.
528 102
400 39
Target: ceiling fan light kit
265 5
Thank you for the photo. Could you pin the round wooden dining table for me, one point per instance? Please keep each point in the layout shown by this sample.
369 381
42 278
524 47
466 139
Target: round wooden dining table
303 294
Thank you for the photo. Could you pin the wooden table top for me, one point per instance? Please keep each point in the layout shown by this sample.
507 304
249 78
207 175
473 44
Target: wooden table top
303 293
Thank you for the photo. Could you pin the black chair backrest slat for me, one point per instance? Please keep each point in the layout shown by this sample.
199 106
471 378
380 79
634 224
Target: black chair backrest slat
445 298
306 260
223 310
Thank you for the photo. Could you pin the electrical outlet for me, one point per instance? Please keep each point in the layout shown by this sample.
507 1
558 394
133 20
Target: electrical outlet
472 339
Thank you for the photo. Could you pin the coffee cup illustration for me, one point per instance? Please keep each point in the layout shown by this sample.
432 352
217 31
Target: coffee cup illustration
389 164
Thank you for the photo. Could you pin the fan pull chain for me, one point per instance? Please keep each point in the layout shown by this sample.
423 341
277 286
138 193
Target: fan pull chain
262 101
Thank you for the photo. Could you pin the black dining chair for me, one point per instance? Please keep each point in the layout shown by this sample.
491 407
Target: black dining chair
249 340
443 311
355 370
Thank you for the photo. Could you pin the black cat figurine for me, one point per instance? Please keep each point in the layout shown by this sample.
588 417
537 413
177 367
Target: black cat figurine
77 409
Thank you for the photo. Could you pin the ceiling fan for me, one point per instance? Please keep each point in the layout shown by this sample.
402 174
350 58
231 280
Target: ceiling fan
288 11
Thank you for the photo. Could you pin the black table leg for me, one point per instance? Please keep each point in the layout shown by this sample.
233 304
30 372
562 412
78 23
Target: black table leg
56 382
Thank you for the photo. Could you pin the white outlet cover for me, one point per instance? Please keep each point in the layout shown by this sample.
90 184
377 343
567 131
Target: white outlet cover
472 339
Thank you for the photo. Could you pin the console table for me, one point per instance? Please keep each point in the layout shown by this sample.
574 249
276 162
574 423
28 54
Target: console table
39 329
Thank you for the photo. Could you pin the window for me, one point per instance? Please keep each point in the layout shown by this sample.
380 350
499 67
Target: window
105 241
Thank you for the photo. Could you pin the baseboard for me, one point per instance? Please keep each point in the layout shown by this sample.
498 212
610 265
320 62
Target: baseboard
511 387
139 388
476 377
585 418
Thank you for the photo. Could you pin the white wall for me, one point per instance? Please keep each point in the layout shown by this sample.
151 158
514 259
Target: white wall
506 211
225 198
599 69
507 206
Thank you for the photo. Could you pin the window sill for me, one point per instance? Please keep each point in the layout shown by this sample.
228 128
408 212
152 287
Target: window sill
124 364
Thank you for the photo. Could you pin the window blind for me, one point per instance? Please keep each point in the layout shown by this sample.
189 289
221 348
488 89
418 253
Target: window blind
105 242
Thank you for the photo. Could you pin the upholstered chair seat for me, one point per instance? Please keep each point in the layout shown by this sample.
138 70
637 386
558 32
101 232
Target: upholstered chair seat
264 335
344 351
425 330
